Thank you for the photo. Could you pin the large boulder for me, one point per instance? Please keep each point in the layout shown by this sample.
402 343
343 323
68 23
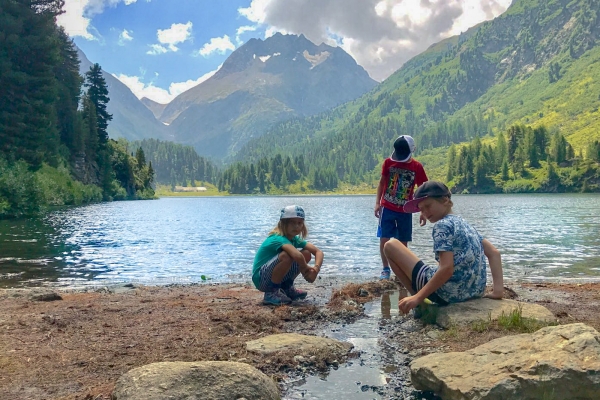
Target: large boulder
293 343
207 380
557 362
482 309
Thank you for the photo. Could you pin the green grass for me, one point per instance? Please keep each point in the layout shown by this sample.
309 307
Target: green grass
513 322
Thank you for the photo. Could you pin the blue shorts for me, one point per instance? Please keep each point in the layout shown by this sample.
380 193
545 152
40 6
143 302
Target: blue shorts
266 271
393 224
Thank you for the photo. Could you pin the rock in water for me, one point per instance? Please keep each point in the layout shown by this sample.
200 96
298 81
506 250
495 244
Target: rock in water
207 380
557 362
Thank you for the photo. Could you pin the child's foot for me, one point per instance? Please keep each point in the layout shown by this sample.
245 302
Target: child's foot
295 294
276 298
385 274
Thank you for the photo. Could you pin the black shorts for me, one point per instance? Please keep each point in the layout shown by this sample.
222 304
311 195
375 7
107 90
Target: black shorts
419 279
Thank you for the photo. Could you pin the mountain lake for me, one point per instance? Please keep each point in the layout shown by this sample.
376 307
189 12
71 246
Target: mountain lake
193 239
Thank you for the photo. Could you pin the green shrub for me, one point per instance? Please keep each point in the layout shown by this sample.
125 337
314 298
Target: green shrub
20 193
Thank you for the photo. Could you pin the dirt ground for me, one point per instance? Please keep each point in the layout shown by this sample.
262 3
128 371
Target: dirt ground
77 347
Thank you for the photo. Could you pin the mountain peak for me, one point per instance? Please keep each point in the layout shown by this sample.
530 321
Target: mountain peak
262 82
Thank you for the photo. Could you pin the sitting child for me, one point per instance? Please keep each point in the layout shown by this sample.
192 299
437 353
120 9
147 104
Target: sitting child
278 261
460 250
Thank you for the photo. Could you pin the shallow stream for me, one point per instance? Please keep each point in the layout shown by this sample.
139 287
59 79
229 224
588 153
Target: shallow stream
381 370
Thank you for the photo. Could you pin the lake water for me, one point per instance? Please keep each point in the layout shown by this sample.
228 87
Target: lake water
180 240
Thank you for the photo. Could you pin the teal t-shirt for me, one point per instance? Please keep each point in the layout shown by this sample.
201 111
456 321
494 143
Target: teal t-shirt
269 249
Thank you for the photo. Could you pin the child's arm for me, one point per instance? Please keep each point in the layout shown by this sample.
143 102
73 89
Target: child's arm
380 188
310 273
441 276
495 261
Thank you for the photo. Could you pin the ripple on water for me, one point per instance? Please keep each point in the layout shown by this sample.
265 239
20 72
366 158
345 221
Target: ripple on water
174 238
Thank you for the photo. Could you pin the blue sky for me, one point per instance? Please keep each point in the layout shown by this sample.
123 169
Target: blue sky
160 48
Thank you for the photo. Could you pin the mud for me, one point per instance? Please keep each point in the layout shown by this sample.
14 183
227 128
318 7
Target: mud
77 347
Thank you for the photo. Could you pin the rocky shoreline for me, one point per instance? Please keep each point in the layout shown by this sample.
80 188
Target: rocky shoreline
77 344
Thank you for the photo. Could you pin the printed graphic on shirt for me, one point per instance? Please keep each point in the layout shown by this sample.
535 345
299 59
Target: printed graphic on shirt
399 186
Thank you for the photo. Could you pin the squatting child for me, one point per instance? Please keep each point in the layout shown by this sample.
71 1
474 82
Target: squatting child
283 256
399 175
460 250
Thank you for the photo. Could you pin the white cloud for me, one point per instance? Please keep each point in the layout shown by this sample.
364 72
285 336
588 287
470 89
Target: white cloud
243 29
156 49
217 45
177 33
380 34
78 13
158 94
125 37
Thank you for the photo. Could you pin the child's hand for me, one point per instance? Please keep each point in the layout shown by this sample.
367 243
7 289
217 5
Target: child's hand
422 220
310 275
408 303
377 210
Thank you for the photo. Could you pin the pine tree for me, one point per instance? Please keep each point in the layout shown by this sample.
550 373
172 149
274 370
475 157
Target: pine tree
98 94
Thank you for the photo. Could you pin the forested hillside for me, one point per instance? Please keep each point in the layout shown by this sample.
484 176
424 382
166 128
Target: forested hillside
176 164
535 65
54 145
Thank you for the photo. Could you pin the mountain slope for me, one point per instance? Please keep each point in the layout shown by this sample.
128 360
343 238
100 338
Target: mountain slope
132 120
156 108
535 64
261 83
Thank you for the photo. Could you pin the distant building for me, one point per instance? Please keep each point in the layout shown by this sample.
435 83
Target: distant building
190 189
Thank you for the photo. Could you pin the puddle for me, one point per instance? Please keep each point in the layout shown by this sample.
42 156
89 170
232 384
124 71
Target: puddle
380 372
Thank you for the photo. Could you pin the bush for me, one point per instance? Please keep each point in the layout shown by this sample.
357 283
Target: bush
20 193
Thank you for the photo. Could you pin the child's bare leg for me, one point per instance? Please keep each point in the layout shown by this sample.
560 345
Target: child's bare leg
402 262
382 242
301 270
282 268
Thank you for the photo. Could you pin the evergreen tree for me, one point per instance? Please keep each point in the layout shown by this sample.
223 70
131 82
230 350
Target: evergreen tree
98 94
28 57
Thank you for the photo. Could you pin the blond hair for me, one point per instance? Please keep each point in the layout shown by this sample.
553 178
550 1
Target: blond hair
282 229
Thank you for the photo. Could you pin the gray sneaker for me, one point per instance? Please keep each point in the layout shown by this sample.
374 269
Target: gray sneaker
276 298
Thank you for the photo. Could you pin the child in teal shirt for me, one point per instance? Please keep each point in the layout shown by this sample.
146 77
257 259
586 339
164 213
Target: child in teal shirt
283 256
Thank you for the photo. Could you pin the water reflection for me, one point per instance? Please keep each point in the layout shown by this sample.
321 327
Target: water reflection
177 240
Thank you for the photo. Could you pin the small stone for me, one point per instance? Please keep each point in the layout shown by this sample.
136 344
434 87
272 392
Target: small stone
362 292
299 359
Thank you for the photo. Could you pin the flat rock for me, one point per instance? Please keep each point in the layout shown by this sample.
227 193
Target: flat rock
556 362
481 309
297 344
207 380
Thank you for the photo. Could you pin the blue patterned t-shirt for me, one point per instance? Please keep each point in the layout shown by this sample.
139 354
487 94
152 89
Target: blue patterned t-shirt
452 233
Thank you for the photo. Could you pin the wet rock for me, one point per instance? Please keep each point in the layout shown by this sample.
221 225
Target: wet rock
558 362
295 343
208 380
44 296
481 309
363 292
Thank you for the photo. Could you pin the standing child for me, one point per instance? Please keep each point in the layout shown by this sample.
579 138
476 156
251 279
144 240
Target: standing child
399 175
459 249
278 261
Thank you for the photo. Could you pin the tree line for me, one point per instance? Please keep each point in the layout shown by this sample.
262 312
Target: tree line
523 159
176 164
54 145
277 173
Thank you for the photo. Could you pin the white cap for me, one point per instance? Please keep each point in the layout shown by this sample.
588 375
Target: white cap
292 212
